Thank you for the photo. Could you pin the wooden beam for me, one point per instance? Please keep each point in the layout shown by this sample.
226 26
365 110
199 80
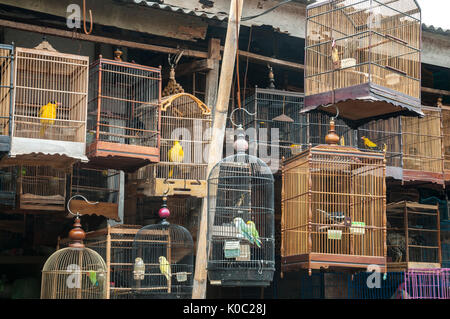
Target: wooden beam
218 133
100 39
261 59
435 91
191 67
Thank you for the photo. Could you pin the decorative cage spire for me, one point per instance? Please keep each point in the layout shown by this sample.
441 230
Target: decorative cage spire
77 234
172 86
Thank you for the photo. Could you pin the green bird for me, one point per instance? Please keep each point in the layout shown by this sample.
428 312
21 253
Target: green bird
93 277
254 233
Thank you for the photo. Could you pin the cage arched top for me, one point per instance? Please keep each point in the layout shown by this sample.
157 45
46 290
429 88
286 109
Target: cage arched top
241 165
169 101
177 233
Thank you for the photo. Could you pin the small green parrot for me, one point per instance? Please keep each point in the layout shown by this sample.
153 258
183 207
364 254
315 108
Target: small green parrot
242 229
254 233
164 266
93 277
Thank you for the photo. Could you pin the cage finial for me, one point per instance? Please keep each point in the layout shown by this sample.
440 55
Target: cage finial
241 145
164 212
118 54
77 234
332 138
271 77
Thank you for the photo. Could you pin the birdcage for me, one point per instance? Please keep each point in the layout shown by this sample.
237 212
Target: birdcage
8 182
114 244
446 140
365 57
41 187
413 236
163 261
413 145
185 136
427 283
74 272
241 234
50 102
276 121
6 96
333 208
388 286
445 243
123 114
98 185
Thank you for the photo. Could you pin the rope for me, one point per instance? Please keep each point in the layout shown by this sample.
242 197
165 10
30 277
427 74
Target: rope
237 56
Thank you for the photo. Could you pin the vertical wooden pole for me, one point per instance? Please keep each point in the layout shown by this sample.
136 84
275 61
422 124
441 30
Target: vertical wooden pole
218 132
212 77
108 261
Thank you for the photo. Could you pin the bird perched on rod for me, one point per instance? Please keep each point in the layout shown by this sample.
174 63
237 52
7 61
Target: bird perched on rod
254 233
139 269
243 229
334 216
176 155
335 54
368 143
164 267
47 113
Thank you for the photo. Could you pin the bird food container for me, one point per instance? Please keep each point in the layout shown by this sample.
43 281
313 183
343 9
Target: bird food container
334 234
357 228
232 249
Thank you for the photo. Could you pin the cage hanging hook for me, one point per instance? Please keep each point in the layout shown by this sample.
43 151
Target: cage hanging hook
260 267
78 195
242 109
90 19
337 111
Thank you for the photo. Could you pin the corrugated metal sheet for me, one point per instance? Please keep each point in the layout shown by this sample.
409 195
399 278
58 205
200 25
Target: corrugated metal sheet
201 14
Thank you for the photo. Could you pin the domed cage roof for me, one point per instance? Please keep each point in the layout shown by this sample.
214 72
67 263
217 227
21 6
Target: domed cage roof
163 262
241 222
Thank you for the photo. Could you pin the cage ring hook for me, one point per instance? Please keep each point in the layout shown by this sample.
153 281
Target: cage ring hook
78 195
242 109
337 110
260 267
84 19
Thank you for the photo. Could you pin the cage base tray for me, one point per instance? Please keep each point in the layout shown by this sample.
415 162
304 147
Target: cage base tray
159 186
240 277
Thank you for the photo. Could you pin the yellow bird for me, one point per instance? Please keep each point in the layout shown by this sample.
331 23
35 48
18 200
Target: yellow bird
368 143
47 113
342 141
176 155
335 54
164 267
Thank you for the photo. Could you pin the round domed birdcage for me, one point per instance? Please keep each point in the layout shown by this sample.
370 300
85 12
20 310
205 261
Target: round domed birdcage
163 260
241 240
75 272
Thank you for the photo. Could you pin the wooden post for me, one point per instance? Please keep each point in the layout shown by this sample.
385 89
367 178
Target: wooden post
218 132
108 262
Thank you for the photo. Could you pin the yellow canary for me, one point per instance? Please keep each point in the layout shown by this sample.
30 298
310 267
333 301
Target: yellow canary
342 140
164 267
176 155
335 54
47 113
368 143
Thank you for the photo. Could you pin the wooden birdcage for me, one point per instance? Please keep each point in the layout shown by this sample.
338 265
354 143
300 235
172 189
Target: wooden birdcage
413 236
241 222
276 121
41 188
186 121
6 96
445 109
365 57
123 115
163 261
114 244
413 145
98 185
50 102
74 272
333 208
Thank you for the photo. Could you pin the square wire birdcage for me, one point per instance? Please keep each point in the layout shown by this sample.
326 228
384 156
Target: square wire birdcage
427 283
6 96
123 114
365 57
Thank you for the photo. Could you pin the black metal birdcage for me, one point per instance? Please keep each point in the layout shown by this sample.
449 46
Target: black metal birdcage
241 239
163 261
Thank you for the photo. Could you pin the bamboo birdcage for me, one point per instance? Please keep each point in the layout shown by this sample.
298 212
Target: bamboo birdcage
276 121
241 231
74 272
114 244
445 109
45 77
98 185
414 145
123 114
333 208
6 96
364 56
41 188
413 236
186 120
163 259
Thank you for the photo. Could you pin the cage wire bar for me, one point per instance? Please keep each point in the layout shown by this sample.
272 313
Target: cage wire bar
50 103
6 96
123 114
166 253
114 244
241 239
413 236
355 49
333 209
185 127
